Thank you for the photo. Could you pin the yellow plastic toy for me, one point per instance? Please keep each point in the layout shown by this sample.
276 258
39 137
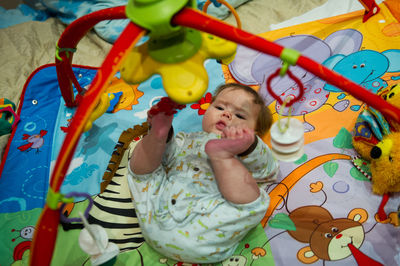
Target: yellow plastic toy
184 81
99 110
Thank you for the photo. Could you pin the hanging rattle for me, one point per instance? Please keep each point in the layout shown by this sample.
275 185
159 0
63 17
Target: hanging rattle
287 140
93 238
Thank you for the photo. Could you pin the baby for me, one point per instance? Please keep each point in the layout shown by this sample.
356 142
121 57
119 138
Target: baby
196 194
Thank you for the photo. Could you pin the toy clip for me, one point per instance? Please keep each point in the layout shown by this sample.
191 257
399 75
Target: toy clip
289 57
53 198
68 50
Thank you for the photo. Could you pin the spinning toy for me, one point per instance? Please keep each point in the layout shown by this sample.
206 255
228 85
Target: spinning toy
176 50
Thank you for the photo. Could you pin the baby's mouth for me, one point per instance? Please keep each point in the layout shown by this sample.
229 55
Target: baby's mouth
220 125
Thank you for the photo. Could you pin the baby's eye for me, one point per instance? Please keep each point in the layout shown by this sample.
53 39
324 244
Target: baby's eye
240 116
219 107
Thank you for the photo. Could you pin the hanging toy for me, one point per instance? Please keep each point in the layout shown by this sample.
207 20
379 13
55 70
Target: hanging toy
8 117
287 140
93 240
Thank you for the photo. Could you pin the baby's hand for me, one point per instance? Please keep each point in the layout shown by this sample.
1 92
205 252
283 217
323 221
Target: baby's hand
160 124
235 140
160 117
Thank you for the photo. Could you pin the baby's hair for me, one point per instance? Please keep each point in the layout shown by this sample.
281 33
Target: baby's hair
264 119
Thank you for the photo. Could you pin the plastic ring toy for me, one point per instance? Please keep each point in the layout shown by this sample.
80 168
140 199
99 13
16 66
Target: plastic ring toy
231 8
276 97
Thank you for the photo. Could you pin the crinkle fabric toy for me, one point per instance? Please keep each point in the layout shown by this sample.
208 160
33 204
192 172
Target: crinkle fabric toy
167 106
8 117
377 140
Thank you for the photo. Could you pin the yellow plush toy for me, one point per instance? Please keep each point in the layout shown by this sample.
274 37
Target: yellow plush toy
377 140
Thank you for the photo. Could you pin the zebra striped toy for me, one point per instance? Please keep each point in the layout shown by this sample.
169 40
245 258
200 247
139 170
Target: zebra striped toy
113 208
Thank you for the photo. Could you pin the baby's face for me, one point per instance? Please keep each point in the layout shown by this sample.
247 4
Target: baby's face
232 107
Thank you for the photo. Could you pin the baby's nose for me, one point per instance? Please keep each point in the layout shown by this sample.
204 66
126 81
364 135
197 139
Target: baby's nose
227 114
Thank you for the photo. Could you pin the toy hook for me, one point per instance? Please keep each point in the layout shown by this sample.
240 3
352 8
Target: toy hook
53 198
289 58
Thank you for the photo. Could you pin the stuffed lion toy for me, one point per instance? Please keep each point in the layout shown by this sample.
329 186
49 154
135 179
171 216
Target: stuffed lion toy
377 140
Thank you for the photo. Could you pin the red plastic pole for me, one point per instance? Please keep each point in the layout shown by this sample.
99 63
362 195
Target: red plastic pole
42 246
371 8
197 20
69 40
47 226
381 210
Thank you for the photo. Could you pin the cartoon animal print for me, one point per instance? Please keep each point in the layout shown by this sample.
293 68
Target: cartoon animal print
34 141
365 67
113 208
25 233
327 238
253 68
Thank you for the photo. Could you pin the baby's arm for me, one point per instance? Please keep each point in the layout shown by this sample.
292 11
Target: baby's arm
148 153
235 182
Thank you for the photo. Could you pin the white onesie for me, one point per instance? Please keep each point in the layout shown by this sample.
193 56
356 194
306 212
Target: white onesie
181 212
